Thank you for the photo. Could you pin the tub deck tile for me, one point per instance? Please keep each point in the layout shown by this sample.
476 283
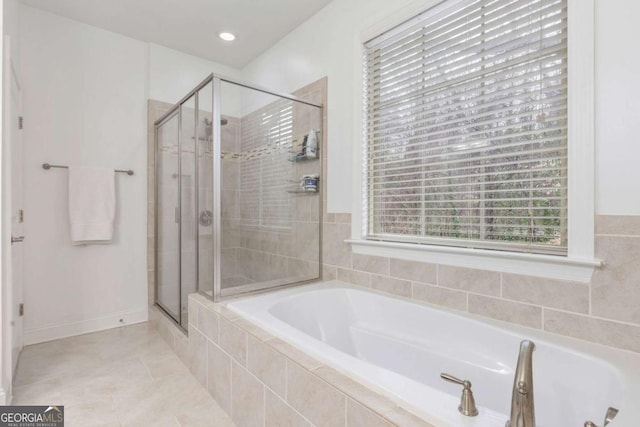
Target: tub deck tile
360 416
356 391
294 354
400 417
252 329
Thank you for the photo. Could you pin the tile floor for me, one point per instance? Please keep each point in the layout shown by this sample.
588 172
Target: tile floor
121 377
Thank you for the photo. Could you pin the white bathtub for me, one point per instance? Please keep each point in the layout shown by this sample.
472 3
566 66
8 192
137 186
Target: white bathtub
399 348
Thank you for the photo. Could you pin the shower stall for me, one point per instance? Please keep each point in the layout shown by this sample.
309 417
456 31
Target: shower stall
237 194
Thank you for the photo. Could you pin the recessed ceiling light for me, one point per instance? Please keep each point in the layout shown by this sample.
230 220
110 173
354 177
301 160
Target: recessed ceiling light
227 36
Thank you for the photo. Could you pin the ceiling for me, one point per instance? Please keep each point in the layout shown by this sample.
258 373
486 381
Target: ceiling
192 26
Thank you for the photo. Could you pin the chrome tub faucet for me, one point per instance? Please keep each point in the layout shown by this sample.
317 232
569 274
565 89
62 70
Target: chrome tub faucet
522 407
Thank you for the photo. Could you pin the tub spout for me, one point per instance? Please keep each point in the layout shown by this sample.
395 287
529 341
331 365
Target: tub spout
522 407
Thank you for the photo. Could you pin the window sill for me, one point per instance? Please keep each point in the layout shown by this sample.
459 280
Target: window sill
548 266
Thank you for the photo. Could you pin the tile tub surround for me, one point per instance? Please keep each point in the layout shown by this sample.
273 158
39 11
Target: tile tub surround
604 311
262 381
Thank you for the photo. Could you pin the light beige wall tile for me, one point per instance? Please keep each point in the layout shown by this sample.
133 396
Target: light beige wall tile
233 340
335 251
307 241
151 260
151 289
329 272
208 322
267 364
192 313
622 225
359 416
413 270
294 354
440 296
198 355
616 286
371 264
219 376
393 286
514 312
247 394
279 414
359 278
400 417
592 329
355 390
151 209
469 279
252 329
316 400
561 294
344 218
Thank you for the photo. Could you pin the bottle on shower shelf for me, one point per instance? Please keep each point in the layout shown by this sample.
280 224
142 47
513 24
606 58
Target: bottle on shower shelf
310 148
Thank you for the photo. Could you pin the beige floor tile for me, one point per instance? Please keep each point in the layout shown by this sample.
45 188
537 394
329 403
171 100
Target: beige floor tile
207 415
164 365
91 414
45 392
121 377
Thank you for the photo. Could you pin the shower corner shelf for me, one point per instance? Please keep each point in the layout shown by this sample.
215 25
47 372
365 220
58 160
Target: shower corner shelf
301 192
297 159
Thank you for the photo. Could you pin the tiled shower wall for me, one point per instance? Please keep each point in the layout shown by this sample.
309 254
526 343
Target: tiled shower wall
278 227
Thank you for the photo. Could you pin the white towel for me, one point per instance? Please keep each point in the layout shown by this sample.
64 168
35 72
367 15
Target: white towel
92 204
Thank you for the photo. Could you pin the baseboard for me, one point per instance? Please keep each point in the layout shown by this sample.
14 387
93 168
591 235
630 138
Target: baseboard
49 333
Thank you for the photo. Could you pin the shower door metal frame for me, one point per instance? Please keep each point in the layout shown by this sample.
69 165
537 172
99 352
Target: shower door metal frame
157 124
176 109
217 292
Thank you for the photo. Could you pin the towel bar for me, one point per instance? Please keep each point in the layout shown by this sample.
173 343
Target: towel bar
48 166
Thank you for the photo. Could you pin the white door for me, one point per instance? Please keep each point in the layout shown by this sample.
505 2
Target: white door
17 219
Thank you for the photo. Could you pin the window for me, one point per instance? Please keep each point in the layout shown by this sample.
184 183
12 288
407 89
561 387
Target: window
466 127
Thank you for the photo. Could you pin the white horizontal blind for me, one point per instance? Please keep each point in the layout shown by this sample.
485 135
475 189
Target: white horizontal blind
466 127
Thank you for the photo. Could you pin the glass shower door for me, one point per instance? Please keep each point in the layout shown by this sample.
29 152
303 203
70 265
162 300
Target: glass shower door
167 218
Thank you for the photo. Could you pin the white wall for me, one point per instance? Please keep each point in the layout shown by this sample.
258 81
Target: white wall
84 104
173 74
617 107
327 45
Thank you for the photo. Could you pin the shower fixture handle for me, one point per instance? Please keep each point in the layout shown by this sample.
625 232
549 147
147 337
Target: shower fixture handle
467 402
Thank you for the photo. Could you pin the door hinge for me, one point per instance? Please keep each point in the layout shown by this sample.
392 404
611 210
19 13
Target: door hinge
20 122
21 215
21 309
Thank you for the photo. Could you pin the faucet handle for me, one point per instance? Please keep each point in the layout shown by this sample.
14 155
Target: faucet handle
611 414
467 402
